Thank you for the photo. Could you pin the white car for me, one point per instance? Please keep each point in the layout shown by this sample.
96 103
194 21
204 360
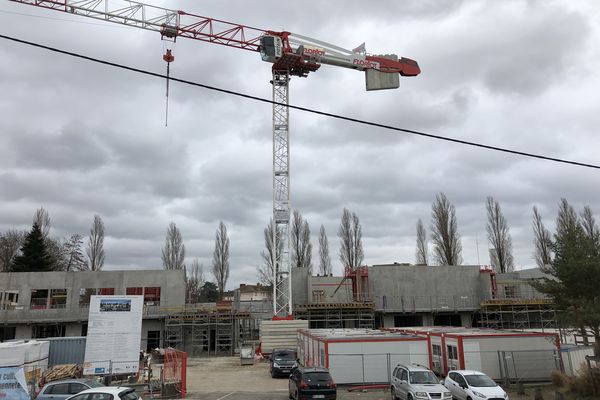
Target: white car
473 385
107 393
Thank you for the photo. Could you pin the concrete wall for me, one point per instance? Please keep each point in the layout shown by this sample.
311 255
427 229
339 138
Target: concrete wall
409 288
300 286
322 289
172 284
516 285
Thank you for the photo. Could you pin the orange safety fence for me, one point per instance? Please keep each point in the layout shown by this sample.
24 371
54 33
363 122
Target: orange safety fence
175 369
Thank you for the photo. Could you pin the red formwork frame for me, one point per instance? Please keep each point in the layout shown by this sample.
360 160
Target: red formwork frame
175 369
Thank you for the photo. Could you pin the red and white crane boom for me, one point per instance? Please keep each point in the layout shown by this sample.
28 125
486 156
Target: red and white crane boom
284 49
291 55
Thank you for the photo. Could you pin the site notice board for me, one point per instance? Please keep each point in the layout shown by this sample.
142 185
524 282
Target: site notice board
114 335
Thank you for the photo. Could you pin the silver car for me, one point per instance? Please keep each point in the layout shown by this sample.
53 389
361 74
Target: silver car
61 389
415 382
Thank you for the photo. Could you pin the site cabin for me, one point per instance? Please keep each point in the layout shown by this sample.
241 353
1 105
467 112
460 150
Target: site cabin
497 353
360 355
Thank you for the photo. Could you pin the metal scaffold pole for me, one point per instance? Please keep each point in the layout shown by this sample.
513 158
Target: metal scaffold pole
282 288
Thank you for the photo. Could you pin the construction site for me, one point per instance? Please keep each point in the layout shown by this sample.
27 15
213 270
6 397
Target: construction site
359 325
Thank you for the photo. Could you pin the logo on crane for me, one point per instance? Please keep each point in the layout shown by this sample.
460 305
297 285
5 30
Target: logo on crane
313 51
361 62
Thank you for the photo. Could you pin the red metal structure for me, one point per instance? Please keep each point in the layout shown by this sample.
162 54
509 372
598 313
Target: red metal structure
300 55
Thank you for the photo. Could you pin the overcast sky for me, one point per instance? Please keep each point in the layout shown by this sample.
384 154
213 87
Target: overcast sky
80 138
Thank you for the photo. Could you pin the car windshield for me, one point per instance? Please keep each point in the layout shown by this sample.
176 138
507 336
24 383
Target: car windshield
318 377
480 381
129 395
423 377
285 356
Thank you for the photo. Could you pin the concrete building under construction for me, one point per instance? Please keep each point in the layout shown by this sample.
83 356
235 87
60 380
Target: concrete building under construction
38 305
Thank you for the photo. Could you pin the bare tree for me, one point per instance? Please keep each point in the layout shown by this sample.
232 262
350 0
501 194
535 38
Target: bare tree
55 247
567 219
542 241
42 218
73 258
221 258
10 243
301 246
499 237
588 223
447 247
265 270
350 234
173 253
95 247
422 253
324 259
194 281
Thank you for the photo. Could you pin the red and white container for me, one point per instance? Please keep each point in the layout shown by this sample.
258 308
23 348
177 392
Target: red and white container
360 355
497 353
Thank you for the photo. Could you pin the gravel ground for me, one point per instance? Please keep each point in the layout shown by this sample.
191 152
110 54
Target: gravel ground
222 378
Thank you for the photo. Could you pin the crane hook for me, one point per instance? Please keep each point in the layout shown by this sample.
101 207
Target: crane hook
169 58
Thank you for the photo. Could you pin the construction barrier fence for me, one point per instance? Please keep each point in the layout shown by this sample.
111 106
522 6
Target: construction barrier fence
161 378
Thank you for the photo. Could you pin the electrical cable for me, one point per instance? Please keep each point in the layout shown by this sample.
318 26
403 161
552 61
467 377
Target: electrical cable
309 110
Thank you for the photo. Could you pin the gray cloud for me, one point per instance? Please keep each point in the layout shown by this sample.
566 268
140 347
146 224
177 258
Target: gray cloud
83 139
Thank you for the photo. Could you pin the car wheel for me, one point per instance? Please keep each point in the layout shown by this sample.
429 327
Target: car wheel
393 392
468 398
409 397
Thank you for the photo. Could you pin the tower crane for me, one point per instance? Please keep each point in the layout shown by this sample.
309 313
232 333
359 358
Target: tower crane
291 55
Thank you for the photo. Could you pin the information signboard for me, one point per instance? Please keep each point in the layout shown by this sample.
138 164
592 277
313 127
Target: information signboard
114 335
13 385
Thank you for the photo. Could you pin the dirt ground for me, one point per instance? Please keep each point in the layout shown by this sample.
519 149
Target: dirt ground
223 378
225 374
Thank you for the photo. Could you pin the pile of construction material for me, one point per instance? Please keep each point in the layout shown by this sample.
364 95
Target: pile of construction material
30 357
65 371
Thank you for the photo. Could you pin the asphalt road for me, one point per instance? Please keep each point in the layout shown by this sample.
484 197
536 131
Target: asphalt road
283 395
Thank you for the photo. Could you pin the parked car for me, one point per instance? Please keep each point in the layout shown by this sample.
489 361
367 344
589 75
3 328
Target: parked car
473 385
61 389
415 382
107 393
283 361
311 383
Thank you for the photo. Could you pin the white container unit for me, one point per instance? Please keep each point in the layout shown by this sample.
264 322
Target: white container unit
500 354
360 355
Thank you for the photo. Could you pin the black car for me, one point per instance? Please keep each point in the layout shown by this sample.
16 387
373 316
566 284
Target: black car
283 361
312 383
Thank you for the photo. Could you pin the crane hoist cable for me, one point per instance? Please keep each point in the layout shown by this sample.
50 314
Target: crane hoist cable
169 58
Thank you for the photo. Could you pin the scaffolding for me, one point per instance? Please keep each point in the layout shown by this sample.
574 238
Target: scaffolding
208 332
518 314
337 315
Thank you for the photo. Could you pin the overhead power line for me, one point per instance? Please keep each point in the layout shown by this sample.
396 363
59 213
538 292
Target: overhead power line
309 110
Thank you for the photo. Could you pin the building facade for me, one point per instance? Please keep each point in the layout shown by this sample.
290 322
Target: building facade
56 304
